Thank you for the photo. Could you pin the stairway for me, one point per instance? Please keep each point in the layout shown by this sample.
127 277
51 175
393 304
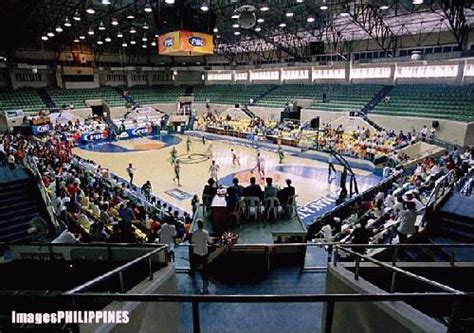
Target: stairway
47 100
376 99
247 111
127 98
19 203
265 93
189 91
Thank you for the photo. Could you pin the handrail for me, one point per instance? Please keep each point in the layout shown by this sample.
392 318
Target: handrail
442 184
117 270
30 163
394 270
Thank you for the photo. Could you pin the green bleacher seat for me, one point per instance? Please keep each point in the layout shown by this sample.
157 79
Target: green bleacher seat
430 100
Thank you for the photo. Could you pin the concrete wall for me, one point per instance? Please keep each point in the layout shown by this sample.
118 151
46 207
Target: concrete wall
146 317
387 317
452 131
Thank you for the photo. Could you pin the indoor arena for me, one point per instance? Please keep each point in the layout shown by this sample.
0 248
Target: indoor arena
236 166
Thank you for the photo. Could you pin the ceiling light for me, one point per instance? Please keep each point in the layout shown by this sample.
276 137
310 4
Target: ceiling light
146 26
76 40
59 29
119 35
148 9
260 20
108 39
133 42
235 25
133 30
344 12
383 7
101 26
264 8
144 46
130 16
289 14
82 37
100 42
114 21
44 38
169 2
124 44
50 34
90 10
76 16
299 1
153 43
235 16
204 7
144 39
258 29
90 32
236 33
417 2
323 7
67 23
215 30
310 19
106 2
282 25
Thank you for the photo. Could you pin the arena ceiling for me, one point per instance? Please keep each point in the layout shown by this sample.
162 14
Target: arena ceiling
284 25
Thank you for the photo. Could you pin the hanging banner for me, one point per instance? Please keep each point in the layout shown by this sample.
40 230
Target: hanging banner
185 43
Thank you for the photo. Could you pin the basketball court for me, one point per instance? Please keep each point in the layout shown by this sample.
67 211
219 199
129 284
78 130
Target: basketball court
151 158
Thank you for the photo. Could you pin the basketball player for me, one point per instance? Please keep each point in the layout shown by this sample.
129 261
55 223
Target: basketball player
281 154
188 145
260 166
209 151
235 158
176 172
131 172
213 169
174 155
331 168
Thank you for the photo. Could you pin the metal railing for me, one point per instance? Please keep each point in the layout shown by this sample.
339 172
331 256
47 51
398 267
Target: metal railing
443 185
119 271
30 163
446 293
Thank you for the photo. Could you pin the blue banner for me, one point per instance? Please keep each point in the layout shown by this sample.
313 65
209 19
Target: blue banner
41 129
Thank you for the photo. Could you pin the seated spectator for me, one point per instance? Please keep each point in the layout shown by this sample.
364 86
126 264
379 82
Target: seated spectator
66 237
253 190
239 188
270 191
232 198
285 193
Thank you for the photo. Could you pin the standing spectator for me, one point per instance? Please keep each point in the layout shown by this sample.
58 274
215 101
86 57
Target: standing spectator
146 190
131 172
200 240
407 221
167 235
360 235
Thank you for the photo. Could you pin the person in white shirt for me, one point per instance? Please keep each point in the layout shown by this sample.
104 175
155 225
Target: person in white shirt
66 237
131 172
213 169
200 240
386 171
167 235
